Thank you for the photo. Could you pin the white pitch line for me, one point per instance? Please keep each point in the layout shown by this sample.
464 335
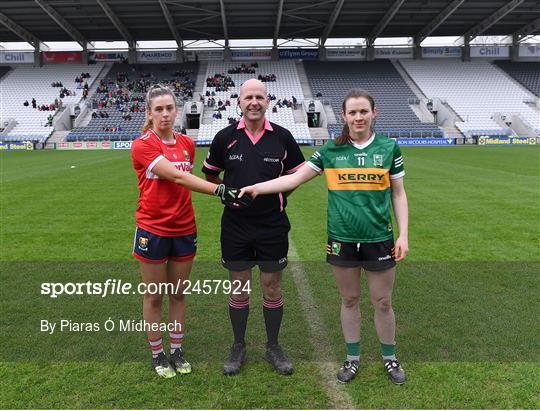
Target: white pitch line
339 397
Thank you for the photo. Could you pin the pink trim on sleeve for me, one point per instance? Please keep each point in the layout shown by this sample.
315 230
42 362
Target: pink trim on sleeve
295 169
211 167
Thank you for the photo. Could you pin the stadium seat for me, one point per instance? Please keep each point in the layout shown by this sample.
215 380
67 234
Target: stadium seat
476 90
287 84
380 78
23 83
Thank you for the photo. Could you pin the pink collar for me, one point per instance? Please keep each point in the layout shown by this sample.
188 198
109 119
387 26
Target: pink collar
254 139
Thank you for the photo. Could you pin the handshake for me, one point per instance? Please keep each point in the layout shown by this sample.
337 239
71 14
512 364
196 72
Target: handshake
230 197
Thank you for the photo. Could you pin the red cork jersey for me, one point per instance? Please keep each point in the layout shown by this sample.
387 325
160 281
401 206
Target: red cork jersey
164 207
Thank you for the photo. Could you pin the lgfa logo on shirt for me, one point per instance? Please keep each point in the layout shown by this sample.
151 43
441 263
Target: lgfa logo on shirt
236 157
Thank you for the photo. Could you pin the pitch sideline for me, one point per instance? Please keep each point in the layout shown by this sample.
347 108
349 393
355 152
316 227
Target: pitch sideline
339 397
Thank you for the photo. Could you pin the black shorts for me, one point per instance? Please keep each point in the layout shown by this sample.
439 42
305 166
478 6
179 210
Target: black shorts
249 242
370 256
156 249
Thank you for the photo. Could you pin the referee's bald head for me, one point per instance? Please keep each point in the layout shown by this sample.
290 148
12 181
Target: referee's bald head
253 100
253 84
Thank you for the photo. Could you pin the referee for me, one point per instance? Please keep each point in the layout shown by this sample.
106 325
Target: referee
248 152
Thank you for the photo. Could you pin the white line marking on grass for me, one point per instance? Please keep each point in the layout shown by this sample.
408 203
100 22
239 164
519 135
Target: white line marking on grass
339 397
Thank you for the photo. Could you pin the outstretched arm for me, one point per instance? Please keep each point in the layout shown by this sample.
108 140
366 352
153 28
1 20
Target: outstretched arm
401 211
281 184
165 170
229 196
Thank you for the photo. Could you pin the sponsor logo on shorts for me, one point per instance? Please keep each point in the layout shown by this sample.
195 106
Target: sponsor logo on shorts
335 248
282 260
386 257
143 243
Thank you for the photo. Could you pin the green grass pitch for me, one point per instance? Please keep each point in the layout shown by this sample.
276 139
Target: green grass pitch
466 299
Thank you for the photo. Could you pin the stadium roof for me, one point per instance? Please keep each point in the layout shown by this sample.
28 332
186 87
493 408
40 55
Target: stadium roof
135 20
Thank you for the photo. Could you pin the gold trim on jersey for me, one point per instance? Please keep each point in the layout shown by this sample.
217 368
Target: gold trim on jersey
372 179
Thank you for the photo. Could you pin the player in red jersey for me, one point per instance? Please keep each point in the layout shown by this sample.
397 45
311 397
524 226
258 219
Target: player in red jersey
166 240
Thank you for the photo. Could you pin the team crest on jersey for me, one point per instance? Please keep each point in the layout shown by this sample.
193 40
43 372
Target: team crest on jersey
143 243
378 160
175 156
186 155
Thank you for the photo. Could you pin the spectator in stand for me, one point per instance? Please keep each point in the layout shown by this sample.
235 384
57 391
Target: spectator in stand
49 121
34 104
26 103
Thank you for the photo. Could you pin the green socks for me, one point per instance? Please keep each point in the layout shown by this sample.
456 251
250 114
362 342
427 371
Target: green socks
388 351
353 351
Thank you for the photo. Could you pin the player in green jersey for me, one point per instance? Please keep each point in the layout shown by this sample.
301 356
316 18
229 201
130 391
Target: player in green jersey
364 174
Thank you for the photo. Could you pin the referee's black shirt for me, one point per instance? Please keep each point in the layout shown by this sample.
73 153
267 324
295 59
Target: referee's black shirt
247 160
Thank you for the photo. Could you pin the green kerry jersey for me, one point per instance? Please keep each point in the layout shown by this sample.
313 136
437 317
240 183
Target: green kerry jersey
359 187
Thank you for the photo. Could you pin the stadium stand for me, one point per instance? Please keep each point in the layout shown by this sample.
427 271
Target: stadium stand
383 82
4 70
122 93
285 86
476 90
26 83
526 73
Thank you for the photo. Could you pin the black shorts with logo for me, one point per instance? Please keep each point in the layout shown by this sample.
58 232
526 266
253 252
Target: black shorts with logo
370 256
246 242
156 249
